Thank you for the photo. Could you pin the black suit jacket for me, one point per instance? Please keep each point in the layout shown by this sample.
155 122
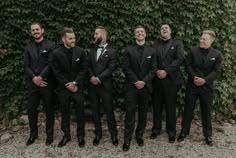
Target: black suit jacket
136 69
170 59
37 64
211 68
62 70
103 67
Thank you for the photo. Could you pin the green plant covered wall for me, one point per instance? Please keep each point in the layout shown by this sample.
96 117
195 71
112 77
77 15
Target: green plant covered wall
188 19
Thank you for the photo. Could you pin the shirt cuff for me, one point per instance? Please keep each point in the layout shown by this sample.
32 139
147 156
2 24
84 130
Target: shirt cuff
98 79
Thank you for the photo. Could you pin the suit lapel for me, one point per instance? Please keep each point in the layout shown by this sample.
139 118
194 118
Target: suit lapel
136 55
102 54
159 50
74 58
210 54
143 56
94 55
42 48
65 59
99 56
34 51
165 51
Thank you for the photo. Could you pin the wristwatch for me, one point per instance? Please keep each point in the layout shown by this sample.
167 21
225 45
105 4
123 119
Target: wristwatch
75 83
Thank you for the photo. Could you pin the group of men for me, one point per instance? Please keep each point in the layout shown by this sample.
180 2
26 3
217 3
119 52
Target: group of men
151 73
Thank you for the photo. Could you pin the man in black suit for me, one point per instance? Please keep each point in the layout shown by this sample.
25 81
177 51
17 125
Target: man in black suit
102 62
170 55
203 66
39 82
69 67
139 68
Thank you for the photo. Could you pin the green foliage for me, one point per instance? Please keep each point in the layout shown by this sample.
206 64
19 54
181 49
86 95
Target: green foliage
188 19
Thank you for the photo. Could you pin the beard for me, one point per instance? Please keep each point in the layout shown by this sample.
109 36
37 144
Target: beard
98 40
37 36
69 45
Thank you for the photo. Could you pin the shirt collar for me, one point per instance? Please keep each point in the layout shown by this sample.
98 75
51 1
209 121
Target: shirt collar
39 43
67 50
165 41
103 46
140 46
205 50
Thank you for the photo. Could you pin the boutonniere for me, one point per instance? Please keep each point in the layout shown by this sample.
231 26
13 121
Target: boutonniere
44 51
149 57
77 59
105 50
213 58
172 47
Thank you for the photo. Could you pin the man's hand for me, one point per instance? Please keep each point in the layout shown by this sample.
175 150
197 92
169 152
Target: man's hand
75 89
71 87
43 84
38 80
198 81
139 84
94 80
161 74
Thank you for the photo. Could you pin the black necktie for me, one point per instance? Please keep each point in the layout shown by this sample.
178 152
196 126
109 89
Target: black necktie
38 46
204 55
140 51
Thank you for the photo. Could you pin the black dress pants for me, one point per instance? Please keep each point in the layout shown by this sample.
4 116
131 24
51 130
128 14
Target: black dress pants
35 94
65 103
205 95
96 93
164 96
135 100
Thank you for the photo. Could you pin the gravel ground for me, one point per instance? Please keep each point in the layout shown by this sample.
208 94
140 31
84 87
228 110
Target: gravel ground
193 147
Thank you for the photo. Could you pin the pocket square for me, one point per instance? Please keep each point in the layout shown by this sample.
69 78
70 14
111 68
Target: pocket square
44 51
213 58
172 47
77 59
149 57
106 55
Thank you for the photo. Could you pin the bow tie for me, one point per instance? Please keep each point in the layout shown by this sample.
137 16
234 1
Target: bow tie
102 47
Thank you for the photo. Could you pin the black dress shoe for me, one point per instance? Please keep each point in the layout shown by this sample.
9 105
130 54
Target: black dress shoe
81 142
96 140
209 141
114 141
154 135
63 142
140 141
171 139
125 146
31 140
181 137
49 141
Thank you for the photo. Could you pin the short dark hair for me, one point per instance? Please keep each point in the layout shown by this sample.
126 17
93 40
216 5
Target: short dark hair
37 23
165 23
139 26
66 30
102 28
